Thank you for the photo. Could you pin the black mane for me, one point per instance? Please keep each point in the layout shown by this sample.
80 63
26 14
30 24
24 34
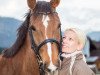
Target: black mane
21 36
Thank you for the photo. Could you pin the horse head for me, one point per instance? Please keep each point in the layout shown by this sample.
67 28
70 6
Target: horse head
45 33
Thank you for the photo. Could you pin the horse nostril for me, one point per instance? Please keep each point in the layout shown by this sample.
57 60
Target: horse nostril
49 70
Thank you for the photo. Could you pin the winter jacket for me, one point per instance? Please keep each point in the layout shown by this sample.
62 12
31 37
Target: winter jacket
79 66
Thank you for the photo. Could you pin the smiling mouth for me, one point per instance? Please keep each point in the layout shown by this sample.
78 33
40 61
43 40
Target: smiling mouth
64 46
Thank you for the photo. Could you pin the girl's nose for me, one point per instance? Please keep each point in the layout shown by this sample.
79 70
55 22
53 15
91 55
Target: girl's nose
63 42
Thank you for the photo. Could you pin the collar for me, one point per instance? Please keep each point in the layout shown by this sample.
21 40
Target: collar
68 55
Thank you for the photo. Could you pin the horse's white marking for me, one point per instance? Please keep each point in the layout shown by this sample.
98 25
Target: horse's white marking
44 0
45 20
52 67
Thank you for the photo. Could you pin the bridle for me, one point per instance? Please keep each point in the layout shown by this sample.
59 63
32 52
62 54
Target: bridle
36 48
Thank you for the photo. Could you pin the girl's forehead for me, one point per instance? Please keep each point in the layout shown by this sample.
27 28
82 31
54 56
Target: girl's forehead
70 34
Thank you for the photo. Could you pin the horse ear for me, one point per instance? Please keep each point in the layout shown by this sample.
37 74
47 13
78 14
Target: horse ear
55 3
31 3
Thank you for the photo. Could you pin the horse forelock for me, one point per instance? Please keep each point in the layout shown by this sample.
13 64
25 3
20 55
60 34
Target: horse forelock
42 7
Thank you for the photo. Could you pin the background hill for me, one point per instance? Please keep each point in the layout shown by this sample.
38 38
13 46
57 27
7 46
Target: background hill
8 31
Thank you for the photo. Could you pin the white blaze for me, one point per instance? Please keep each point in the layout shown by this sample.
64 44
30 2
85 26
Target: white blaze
45 20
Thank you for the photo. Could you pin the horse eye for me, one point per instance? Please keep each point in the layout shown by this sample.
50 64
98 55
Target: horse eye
33 28
51 42
59 25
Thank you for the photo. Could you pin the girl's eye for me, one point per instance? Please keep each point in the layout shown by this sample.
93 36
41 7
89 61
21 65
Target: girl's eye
70 39
63 37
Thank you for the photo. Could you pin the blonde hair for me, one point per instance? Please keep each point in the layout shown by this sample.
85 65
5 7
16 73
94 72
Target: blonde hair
80 34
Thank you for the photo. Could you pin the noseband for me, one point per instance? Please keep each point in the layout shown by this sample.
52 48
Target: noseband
36 48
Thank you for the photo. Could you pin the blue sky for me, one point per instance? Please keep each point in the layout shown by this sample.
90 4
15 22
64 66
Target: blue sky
83 14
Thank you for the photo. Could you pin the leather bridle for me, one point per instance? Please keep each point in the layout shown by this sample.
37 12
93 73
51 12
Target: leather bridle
36 48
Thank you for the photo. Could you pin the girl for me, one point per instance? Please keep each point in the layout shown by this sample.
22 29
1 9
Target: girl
73 62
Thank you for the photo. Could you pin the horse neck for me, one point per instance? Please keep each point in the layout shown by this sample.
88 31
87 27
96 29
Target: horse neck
29 57
28 51
27 44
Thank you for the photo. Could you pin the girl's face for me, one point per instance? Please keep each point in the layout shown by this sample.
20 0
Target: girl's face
70 42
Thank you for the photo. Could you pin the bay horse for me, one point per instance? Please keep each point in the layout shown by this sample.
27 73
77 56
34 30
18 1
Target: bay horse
36 49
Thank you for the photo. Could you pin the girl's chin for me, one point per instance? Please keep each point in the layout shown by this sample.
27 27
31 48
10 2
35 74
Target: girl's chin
64 50
68 52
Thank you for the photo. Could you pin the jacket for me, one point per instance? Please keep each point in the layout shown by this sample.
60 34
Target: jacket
79 66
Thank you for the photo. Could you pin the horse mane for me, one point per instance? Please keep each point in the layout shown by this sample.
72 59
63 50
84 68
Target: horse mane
21 36
40 8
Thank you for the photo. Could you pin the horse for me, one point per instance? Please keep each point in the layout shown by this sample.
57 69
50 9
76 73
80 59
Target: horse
36 49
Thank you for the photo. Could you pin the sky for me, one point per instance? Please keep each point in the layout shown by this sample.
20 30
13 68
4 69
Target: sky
83 14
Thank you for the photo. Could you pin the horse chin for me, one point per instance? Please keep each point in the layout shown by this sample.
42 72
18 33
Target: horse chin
52 73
